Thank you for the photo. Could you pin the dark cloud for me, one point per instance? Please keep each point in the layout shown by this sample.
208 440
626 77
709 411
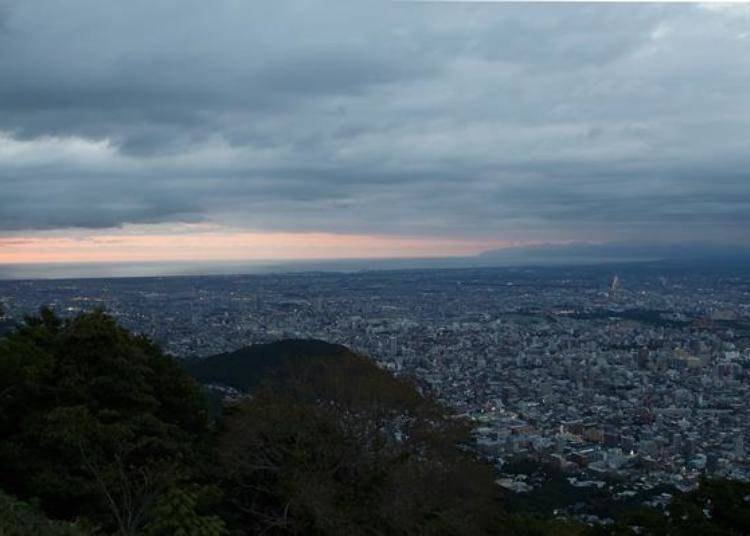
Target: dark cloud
476 120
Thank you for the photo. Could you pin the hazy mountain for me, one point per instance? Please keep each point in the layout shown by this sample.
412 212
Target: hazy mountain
615 252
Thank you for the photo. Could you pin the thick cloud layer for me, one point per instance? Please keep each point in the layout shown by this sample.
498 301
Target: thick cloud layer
466 120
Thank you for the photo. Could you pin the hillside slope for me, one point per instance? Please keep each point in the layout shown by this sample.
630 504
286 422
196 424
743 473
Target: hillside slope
245 368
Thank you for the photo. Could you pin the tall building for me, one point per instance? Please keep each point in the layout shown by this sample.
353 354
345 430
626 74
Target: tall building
738 449
614 283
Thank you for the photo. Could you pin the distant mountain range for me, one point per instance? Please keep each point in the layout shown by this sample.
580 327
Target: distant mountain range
617 252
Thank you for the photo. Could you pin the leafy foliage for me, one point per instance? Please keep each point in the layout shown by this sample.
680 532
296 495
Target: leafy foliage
338 446
21 519
94 421
716 508
177 513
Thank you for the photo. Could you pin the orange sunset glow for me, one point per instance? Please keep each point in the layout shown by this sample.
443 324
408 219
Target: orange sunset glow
226 245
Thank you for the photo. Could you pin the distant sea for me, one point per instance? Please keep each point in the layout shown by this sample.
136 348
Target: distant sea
575 254
159 269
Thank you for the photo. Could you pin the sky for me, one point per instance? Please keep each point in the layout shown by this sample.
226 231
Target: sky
230 130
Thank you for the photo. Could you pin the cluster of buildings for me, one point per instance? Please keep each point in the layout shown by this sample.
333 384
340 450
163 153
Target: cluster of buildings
641 379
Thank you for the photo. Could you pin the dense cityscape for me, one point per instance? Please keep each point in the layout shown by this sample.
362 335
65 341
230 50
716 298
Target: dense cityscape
635 374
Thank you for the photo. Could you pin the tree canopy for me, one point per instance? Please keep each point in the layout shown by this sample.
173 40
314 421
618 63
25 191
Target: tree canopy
95 421
338 446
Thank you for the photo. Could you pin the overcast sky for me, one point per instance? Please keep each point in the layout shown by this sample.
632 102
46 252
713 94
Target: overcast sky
458 124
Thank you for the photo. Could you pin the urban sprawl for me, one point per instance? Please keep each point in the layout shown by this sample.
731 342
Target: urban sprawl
631 378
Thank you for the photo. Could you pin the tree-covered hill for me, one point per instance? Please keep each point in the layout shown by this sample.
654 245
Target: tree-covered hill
245 368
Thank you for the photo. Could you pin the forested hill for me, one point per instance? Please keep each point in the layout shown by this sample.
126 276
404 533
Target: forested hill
245 368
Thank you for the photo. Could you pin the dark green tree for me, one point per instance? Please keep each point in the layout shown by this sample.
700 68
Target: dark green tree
177 512
339 446
717 508
95 421
18 518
